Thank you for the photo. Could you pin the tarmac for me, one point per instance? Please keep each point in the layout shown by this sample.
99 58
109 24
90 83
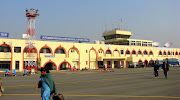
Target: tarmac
122 84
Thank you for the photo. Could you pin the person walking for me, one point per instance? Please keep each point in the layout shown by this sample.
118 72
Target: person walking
165 67
156 69
46 84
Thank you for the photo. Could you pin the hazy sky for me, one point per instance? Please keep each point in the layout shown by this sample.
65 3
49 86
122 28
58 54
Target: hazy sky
156 20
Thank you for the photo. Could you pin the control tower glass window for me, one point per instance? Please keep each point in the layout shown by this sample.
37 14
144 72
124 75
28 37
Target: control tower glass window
133 43
138 43
144 44
150 44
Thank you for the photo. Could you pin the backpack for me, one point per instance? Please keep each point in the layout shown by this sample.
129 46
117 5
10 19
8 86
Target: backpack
58 96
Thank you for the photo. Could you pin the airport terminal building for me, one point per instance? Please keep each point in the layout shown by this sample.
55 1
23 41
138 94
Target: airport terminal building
116 51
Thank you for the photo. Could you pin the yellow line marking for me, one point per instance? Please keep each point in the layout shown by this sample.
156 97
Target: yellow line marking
21 94
108 96
124 96
18 85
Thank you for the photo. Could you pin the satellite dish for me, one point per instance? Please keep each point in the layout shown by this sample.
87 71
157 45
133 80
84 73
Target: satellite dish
168 44
156 44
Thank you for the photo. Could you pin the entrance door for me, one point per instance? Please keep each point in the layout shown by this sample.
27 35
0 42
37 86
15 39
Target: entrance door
50 66
100 64
122 64
65 66
116 64
146 63
109 64
17 65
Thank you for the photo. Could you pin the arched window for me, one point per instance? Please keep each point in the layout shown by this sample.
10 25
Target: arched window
5 48
160 53
176 53
150 53
45 50
145 53
133 52
164 53
108 52
169 53
30 50
60 51
127 52
139 52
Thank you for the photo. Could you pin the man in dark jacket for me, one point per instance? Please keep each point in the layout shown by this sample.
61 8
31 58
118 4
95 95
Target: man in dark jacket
156 69
165 67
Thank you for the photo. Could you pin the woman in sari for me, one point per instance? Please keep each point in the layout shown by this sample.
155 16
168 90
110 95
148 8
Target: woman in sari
46 84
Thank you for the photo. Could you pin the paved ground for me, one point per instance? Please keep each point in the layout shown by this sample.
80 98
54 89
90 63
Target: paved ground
123 84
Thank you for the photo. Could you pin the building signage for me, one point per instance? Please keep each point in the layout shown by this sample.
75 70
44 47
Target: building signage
49 56
4 34
64 38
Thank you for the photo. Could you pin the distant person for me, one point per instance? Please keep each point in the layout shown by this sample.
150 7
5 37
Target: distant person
104 67
1 88
165 67
156 69
46 84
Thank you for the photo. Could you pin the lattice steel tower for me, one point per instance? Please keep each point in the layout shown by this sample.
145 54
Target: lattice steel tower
31 37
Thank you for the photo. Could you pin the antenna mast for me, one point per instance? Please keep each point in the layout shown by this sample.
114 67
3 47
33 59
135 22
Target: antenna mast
31 36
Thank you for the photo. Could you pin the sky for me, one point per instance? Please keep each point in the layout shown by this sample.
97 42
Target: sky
156 20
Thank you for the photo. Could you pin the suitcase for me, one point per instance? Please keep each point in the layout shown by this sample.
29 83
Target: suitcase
58 96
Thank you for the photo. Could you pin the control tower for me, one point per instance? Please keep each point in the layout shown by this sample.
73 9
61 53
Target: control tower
117 37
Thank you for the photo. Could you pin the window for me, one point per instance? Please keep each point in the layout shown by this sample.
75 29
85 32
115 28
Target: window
164 53
30 50
150 53
100 51
139 52
122 51
17 49
127 52
133 52
133 43
145 53
144 44
72 50
60 50
160 53
169 53
176 53
45 50
86 51
138 43
150 44
108 52
5 48
86 62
